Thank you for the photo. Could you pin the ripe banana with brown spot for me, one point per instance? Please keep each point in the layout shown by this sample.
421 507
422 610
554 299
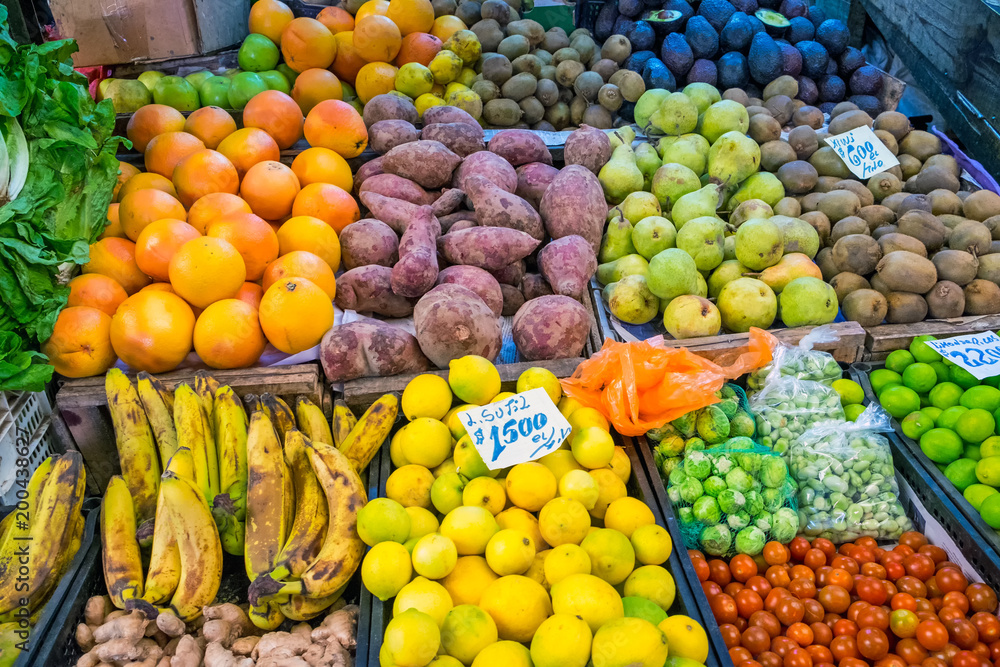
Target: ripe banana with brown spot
160 415
137 451
192 434
281 415
268 485
119 548
311 513
370 432
19 521
312 421
343 422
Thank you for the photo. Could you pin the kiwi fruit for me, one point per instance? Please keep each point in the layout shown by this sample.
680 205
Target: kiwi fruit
897 172
826 183
946 161
470 12
519 86
995 247
989 268
514 46
893 201
883 184
865 195
502 112
564 54
971 236
597 116
981 205
497 68
879 232
616 48
877 216
864 306
935 178
846 282
951 221
567 71
924 227
841 108
531 30
848 121
576 110
838 204
773 154
914 202
857 253
905 308
527 64
824 260
982 297
920 144
780 107
993 224
556 38
487 90
819 222
629 83
946 299
605 68
543 126
847 226
587 85
764 128
828 163
803 140
610 97
956 266
810 202
548 72
444 7
909 165
808 116
944 202
783 85
498 10
892 122
532 110
489 33
788 206
797 176
557 115
736 95
892 242
547 92
878 285
888 141
904 271
584 45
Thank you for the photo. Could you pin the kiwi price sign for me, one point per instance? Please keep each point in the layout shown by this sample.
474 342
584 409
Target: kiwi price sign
977 353
863 153
521 428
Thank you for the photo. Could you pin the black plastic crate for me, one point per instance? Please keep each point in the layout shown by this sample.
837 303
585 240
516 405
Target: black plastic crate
585 13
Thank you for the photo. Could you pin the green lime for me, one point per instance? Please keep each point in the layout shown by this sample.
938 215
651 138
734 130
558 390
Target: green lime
989 509
245 86
993 381
949 417
850 391
853 411
977 493
289 73
975 425
941 370
275 80
175 92
898 360
945 395
988 470
981 396
923 352
215 92
882 378
972 451
919 377
940 466
198 78
925 401
990 446
899 401
258 53
941 445
961 473
962 377
916 424
932 412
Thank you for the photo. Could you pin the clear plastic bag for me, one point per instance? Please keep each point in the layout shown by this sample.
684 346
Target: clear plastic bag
847 481
788 407
800 361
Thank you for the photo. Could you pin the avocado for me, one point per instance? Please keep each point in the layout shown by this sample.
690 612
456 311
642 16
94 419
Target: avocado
866 80
737 34
637 61
681 6
867 103
627 111
764 59
676 54
716 12
832 88
793 8
656 75
814 58
800 28
703 71
774 23
808 90
832 66
816 14
833 35
604 26
641 36
630 8
733 70
701 37
745 6
769 4
664 21
791 60
758 25
623 25
827 107
850 60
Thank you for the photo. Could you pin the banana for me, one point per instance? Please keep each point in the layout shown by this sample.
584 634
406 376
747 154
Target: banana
230 422
302 608
165 559
267 616
190 421
140 462
119 548
68 553
267 525
182 465
370 432
252 403
19 521
309 527
211 455
159 414
281 415
312 421
343 422
205 386
13 640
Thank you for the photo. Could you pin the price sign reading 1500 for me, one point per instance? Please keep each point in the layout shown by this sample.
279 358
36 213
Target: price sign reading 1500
521 428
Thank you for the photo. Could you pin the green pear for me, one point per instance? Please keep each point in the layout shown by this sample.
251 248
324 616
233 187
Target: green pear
724 273
703 239
176 92
762 185
198 78
671 273
630 300
652 235
722 117
729 248
629 265
621 135
648 162
808 301
790 267
701 202
128 95
749 209
759 244
620 176
671 182
691 316
733 157
703 95
701 288
690 150
797 235
617 241
102 87
647 105
745 303
677 115
150 77
639 205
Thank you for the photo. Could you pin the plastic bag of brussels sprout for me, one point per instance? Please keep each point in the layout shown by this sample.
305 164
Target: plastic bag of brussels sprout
800 361
788 407
847 482
733 498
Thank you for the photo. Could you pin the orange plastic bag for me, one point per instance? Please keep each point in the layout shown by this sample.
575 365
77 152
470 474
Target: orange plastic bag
643 385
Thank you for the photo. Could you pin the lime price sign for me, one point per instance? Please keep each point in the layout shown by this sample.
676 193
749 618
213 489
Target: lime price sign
977 353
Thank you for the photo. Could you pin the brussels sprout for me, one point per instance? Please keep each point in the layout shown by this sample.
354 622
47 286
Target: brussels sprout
691 490
754 502
722 464
697 465
716 540
685 515
706 510
750 541
773 499
659 434
694 445
773 472
739 520
731 501
784 525
685 424
677 476
668 465
674 493
727 391
714 485
739 480
671 445
763 521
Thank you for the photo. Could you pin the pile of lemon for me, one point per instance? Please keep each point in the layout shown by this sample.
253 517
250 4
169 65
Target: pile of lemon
547 563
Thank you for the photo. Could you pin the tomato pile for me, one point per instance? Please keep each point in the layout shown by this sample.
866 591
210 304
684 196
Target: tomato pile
814 605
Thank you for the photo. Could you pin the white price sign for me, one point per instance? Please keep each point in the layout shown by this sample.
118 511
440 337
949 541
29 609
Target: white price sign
521 428
977 353
863 152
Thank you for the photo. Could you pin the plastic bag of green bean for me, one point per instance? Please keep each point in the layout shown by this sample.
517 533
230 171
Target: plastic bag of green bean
788 407
847 482
800 361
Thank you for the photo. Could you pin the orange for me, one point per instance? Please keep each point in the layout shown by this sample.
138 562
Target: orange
159 242
150 121
80 344
205 270
411 15
211 207
269 18
295 314
446 26
337 125
321 165
270 189
167 149
312 87
418 47
115 258
311 234
375 79
252 237
336 19
158 287
147 181
379 7
152 331
248 146
228 335
301 264
348 62
125 172
202 173
251 293
277 114
307 43
376 38
114 226
334 206
96 291
138 209
211 125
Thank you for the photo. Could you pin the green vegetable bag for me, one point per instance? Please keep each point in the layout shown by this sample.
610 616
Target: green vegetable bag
787 407
800 361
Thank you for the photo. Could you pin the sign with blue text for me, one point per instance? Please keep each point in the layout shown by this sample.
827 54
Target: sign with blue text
977 353
863 152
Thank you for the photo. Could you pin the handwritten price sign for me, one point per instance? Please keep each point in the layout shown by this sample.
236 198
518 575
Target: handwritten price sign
522 428
863 153
977 353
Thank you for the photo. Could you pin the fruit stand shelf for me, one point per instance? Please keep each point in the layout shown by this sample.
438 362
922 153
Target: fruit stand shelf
885 338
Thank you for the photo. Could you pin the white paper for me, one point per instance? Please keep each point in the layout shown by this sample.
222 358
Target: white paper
863 152
977 353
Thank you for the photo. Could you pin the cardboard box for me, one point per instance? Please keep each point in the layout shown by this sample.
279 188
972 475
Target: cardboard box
119 31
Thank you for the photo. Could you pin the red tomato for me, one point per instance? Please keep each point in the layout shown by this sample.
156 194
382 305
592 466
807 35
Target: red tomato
730 634
956 599
904 550
770 659
719 572
863 555
872 643
778 576
919 565
822 634
701 568
995 651
782 645
739 654
966 658
798 548
759 585
776 553
873 617
894 570
844 646
912 585
852 662
825 545
847 563
711 589
911 651
743 567
802 588
835 599
962 633
814 558
903 601
987 625
891 660
870 589
756 640
774 597
694 554
981 597
842 578
747 602
913 539
750 663
950 614
790 610
856 608
932 635
819 653
814 611
766 620
801 633
873 570
732 588
903 623
803 572
937 554
845 627
798 657
724 608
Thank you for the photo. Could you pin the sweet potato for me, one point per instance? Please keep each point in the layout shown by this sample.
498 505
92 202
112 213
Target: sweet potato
478 280
449 200
396 213
462 138
512 300
369 348
520 147
368 289
534 286
568 264
452 321
490 248
574 204
417 269
448 114
448 221
397 187
463 224
490 166
368 241
589 147
512 274
551 327
498 208
387 134
390 107
429 163
532 180
366 171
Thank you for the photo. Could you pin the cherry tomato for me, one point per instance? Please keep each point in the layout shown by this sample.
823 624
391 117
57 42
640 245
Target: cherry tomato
778 576
995 651
903 623
937 554
904 550
981 598
756 640
770 659
801 633
798 657
923 604
741 623
719 572
866 542
749 663
842 578
732 588
913 539
950 614
873 617
932 635
890 588
863 555
776 553
932 661
822 634
782 645
894 570
852 662
825 545
743 567
982 650
767 621
835 599
790 610
856 608
724 608
966 658
870 590
872 643
814 611
932 588
987 625
830 618
891 557
814 558
701 568
911 651
844 646
802 588
730 634
919 565
798 548
759 585
912 585
847 563
738 654
845 627
819 653
891 660
962 633
694 554
711 589
748 602
873 570
956 599
803 572
774 597
903 601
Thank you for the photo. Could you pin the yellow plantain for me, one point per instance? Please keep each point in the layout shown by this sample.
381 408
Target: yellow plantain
119 548
343 422
302 608
205 386
190 421
309 527
182 465
68 552
312 421
137 453
230 422
266 616
164 560
281 415
370 432
13 640
211 455
267 524
160 415
19 521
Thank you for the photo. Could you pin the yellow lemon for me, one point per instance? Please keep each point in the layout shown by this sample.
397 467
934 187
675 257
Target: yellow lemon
629 642
434 556
568 406
519 519
445 66
446 492
468 579
563 521
422 522
383 520
447 466
612 488
502 396
593 447
414 80
611 555
503 654
472 378
426 395
620 464
518 606
652 544
386 569
426 101
426 442
410 486
626 514
453 89
510 552
686 638
580 486
536 377
653 583
412 638
564 560
561 640
424 595
536 571
560 462
589 597
466 44
396 450
444 661
470 528
467 100
485 492
452 421
467 77
467 630
582 418
530 486
468 462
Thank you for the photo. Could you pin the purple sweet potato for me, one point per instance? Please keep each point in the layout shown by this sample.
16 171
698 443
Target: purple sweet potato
512 274
429 163
498 208
462 138
574 204
477 280
417 269
396 213
366 171
466 223
589 147
490 166
451 321
568 264
390 107
369 348
448 114
385 135
449 200
368 289
368 241
449 221
520 147
490 248
397 187
512 300
534 286
532 180
551 327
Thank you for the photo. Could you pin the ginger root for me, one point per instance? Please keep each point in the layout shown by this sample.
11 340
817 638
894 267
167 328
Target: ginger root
131 628
96 609
331 655
220 631
127 650
276 645
88 660
216 655
244 645
293 661
84 637
303 629
187 653
233 614
340 626
170 624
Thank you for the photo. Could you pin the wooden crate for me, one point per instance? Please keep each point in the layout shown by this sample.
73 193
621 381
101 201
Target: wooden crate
83 406
885 338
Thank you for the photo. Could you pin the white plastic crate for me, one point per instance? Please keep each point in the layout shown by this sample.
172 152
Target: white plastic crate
25 419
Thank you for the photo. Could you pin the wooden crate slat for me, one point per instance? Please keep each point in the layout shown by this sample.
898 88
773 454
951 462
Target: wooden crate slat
888 337
847 349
